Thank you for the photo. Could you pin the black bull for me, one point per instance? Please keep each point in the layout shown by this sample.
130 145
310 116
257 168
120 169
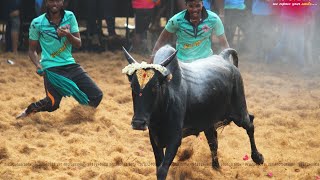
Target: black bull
187 99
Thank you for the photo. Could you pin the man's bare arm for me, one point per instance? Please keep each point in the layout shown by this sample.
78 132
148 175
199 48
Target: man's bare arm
32 52
223 41
163 39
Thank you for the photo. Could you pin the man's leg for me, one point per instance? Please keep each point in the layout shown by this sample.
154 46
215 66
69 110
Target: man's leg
15 29
142 22
89 87
8 36
111 25
50 103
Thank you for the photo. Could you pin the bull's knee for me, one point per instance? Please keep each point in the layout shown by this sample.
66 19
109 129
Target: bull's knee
247 123
251 117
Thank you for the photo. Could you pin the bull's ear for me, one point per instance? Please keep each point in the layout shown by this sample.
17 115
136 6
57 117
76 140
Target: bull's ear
169 59
166 77
128 56
169 77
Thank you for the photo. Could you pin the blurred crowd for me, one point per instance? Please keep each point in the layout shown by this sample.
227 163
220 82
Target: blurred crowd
265 28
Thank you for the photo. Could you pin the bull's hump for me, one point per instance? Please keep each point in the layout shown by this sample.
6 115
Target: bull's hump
163 53
205 69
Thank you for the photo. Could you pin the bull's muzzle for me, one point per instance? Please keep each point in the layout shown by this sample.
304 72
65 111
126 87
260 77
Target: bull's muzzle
138 124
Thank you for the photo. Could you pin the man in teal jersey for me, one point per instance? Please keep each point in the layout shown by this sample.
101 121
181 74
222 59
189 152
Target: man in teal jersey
57 31
195 28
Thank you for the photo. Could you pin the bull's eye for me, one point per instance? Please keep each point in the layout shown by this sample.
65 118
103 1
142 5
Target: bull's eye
135 88
155 87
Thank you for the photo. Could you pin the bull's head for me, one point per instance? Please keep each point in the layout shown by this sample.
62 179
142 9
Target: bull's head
146 81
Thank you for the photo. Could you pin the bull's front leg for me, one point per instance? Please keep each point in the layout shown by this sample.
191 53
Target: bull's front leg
255 155
171 151
157 150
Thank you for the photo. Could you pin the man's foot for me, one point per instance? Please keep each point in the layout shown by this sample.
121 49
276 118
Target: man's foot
23 114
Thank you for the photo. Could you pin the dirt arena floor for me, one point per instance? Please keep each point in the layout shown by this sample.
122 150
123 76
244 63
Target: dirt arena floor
76 142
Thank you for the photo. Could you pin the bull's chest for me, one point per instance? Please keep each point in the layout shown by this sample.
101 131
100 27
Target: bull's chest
162 136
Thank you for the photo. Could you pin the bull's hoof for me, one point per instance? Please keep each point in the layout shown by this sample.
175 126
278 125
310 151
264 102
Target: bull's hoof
257 157
215 164
161 173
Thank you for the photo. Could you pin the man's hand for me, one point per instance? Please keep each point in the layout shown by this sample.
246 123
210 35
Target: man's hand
73 38
63 31
40 71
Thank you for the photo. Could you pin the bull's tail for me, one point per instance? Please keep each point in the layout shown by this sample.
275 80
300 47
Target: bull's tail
226 53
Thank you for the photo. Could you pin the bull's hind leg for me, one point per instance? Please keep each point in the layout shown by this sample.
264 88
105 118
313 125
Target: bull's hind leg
249 127
211 135
247 124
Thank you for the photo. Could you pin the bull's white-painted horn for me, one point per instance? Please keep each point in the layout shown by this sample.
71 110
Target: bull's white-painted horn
128 56
169 59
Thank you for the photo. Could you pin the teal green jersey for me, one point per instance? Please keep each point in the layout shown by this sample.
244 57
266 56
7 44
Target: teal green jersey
56 51
194 42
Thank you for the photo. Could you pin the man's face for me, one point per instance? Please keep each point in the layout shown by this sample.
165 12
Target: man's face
194 8
54 6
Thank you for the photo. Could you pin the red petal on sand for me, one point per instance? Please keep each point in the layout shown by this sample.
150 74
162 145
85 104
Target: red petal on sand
270 174
246 157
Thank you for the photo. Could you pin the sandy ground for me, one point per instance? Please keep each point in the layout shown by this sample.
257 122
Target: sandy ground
76 142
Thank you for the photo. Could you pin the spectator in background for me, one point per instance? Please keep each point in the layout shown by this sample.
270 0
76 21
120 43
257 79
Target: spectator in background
38 7
207 4
94 25
217 6
2 11
2 30
263 27
111 25
13 25
235 16
110 12
143 11
158 11
312 33
291 42
181 4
